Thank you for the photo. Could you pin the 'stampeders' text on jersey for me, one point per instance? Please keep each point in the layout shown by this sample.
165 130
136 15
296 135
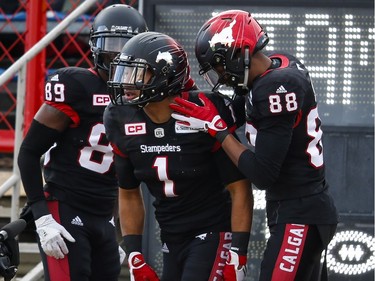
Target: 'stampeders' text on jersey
80 164
184 169
287 90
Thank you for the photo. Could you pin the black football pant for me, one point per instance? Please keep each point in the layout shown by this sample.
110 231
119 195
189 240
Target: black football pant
200 259
93 257
294 251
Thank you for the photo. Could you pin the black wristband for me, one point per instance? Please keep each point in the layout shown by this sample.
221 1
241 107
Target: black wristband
39 209
221 135
240 241
132 243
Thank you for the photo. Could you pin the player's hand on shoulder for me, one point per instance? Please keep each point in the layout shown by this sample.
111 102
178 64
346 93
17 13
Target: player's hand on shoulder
139 269
51 235
204 118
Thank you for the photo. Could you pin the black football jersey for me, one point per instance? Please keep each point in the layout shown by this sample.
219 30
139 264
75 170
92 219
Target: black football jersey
79 167
185 170
282 104
284 128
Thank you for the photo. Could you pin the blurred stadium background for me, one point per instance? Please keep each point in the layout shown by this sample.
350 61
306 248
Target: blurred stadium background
334 38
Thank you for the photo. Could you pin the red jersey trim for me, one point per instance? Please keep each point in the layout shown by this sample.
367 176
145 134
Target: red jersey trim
284 63
117 151
66 109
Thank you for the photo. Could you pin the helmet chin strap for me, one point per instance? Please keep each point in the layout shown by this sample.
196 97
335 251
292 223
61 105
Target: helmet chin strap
243 89
247 69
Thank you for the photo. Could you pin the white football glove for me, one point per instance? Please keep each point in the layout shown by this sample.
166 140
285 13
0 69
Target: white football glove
51 236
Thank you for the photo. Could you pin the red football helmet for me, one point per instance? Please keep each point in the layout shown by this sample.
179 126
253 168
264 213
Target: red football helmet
224 47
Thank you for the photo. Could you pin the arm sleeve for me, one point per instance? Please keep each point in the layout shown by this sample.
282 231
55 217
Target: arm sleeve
124 171
37 141
229 173
262 167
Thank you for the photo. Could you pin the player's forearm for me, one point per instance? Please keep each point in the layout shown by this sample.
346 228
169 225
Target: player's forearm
233 148
242 206
131 212
241 218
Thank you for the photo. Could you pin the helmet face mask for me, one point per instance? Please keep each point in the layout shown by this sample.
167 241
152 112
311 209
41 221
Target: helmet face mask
128 78
131 73
217 75
111 29
109 40
229 40
150 67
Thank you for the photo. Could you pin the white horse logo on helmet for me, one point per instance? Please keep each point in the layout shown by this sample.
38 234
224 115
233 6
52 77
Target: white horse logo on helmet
225 36
164 56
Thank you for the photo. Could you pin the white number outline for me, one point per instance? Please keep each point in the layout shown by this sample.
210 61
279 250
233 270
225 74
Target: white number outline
58 92
276 106
314 131
161 165
84 158
85 154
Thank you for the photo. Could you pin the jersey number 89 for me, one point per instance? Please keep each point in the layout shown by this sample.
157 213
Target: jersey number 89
56 94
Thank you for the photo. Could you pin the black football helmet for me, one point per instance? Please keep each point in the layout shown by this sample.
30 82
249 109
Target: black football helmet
224 46
152 53
111 29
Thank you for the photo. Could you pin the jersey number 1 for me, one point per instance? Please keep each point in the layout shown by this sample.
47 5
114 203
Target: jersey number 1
161 165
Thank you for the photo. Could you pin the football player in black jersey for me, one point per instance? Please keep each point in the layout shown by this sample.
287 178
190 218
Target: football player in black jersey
74 211
200 195
284 131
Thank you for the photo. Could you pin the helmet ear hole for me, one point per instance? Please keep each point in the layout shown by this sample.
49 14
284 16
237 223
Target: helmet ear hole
218 59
